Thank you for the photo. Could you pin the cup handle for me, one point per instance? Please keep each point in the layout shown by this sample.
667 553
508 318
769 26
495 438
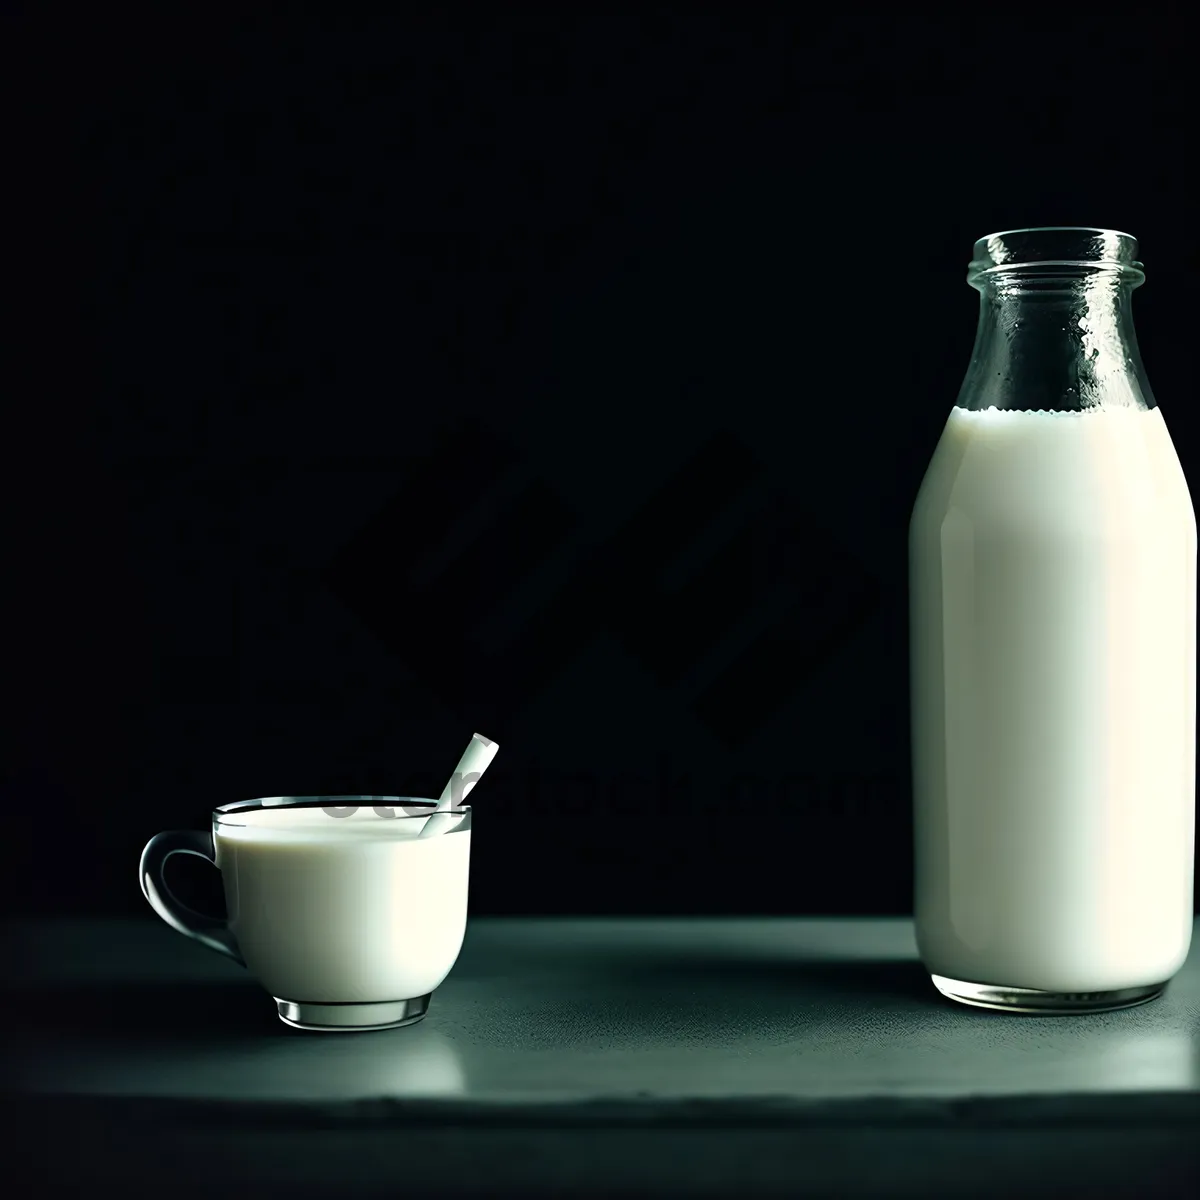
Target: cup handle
212 932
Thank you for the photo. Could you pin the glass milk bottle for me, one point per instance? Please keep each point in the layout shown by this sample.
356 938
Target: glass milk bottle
1052 582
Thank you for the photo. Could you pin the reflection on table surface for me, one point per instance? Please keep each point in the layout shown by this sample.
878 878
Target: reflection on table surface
544 1011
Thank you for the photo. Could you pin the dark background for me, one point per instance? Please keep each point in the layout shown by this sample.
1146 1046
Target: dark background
568 378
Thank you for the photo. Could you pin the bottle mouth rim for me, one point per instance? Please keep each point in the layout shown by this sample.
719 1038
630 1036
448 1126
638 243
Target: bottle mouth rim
1004 233
1056 251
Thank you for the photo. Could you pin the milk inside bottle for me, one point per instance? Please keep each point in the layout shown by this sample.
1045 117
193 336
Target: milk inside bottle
1053 623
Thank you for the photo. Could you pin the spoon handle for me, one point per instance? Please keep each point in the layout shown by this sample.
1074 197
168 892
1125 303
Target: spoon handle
475 760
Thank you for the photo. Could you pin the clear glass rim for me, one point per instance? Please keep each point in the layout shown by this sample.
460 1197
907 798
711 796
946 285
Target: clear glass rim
404 808
1000 233
1056 251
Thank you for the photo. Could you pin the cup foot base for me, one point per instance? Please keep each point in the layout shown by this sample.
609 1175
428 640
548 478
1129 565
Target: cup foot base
351 1018
1046 1004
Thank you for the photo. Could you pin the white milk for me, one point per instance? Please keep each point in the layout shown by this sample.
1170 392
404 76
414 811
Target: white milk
1053 584
343 909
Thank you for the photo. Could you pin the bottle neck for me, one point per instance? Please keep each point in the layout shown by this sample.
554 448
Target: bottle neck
1057 344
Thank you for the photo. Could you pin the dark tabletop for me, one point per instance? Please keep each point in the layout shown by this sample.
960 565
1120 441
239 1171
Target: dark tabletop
675 1056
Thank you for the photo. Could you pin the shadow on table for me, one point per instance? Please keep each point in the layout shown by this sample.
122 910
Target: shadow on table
892 982
732 970
777 986
725 984
175 1012
695 999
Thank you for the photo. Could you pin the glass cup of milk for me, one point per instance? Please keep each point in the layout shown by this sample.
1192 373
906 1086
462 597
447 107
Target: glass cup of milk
1052 557
339 907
